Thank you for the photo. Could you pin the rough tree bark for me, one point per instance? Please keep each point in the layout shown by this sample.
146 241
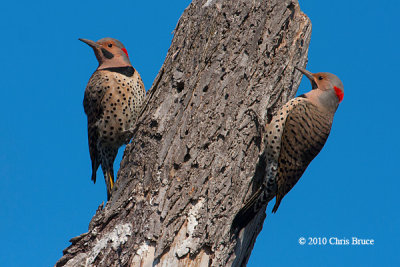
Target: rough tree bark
194 158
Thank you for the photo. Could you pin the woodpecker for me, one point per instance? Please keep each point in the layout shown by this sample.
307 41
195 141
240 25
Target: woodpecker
113 98
293 138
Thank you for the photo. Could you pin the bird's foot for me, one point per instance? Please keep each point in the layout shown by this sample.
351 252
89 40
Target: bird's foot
258 120
127 135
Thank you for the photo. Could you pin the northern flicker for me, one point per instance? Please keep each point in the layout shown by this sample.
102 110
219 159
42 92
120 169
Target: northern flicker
293 138
113 98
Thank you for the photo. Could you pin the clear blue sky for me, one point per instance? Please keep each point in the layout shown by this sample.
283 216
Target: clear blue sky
47 197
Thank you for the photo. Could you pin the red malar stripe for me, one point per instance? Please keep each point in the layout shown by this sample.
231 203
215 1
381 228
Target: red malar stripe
339 93
125 51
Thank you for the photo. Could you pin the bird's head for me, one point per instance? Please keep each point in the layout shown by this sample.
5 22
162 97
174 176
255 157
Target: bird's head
109 52
327 89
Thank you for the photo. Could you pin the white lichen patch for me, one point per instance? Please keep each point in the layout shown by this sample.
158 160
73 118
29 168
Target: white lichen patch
143 248
187 243
209 2
144 256
118 236
192 216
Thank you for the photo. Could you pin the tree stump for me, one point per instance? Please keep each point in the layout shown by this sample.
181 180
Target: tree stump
195 154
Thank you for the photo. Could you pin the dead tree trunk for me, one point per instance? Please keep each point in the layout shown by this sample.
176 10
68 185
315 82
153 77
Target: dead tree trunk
194 158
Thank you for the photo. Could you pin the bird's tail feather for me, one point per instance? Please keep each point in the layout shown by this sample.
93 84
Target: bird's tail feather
277 203
249 210
109 178
94 170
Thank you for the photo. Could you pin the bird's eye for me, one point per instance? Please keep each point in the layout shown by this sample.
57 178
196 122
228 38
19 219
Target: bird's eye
109 45
320 78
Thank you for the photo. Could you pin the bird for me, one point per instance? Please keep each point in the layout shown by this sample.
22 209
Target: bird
112 101
295 135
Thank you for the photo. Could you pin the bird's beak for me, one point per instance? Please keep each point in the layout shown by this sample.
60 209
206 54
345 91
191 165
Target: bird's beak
90 43
309 75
